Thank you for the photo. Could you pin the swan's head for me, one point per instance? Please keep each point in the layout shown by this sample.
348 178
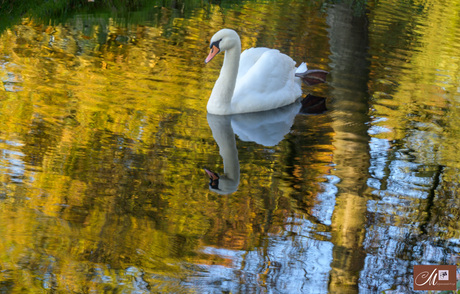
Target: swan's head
222 40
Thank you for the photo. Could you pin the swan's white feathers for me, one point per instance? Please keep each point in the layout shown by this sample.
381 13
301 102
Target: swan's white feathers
266 81
302 68
249 57
257 80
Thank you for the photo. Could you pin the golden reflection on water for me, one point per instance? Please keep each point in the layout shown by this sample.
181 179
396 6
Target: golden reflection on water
104 137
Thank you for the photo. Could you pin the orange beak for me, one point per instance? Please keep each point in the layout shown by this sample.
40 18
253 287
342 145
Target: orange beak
214 51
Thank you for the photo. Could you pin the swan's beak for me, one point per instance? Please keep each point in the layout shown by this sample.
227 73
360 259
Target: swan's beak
214 51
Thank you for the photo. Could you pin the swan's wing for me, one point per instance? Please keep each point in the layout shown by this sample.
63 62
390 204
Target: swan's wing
269 83
248 58
266 71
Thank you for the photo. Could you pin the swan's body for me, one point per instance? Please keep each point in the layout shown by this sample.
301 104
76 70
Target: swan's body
258 79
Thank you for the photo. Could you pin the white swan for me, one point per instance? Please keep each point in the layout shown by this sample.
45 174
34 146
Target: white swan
258 79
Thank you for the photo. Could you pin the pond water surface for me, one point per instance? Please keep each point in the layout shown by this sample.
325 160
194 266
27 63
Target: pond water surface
104 138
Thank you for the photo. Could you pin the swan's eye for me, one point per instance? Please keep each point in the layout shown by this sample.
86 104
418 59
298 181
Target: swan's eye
216 43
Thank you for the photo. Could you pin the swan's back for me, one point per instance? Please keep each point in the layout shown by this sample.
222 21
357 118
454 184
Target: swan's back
266 80
249 57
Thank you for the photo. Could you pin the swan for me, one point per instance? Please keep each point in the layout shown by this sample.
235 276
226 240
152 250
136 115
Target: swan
256 80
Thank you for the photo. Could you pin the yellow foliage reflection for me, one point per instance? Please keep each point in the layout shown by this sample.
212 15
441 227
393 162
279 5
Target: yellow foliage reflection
104 137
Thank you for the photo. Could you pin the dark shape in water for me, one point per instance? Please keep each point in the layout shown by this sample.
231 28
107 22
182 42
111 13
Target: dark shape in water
213 179
313 105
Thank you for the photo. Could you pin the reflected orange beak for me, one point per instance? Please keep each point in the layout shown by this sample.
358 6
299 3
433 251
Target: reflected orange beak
214 51
212 175
213 178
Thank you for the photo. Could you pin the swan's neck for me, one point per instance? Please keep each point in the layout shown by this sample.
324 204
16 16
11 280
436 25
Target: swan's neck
222 93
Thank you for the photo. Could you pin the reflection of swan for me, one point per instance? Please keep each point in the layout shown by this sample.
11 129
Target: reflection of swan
223 134
267 128
261 79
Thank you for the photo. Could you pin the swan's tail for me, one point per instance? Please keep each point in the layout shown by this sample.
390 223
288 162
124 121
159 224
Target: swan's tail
310 76
302 68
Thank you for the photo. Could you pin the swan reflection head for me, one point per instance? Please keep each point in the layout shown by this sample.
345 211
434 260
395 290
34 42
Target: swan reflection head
225 184
213 179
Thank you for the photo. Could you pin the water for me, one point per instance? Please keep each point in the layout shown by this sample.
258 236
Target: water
104 138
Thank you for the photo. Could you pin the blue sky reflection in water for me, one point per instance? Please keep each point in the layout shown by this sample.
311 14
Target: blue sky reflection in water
104 139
